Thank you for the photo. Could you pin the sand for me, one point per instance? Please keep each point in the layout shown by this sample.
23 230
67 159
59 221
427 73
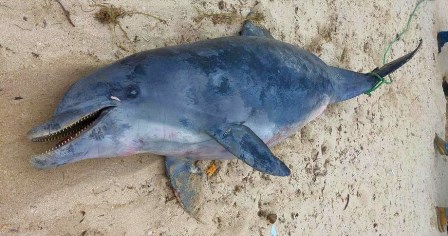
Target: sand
365 167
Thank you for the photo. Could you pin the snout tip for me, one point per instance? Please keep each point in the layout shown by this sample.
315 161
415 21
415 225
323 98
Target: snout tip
31 135
38 132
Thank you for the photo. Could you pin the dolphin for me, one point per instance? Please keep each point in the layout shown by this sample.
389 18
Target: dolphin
223 98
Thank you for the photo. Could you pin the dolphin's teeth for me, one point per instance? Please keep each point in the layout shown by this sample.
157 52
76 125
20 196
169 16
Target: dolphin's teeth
70 132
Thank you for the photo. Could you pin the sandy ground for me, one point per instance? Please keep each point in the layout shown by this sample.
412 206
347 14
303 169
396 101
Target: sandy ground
365 167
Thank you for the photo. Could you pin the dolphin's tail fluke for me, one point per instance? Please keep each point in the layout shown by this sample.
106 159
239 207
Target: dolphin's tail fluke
395 64
348 84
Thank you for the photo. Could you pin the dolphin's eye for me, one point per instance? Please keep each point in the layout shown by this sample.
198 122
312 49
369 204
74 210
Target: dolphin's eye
132 91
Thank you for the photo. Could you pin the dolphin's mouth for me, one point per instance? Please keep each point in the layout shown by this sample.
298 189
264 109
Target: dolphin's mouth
67 131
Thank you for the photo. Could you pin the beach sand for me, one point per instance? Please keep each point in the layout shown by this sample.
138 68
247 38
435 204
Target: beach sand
367 166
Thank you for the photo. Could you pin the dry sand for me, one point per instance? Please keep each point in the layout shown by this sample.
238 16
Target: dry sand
365 167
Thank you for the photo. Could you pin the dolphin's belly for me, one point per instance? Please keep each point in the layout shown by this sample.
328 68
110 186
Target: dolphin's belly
180 142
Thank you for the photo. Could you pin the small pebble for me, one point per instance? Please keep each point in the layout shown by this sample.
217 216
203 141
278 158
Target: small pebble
272 218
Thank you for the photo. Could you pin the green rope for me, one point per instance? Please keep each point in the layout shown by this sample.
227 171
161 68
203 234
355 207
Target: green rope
382 80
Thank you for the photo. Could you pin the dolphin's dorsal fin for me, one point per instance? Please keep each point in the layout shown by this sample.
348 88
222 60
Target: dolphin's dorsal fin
251 29
242 142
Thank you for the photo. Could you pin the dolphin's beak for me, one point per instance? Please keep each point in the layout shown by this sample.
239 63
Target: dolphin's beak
64 127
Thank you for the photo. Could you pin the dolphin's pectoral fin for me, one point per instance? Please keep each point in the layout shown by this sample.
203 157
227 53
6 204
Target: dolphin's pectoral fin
251 29
248 147
186 180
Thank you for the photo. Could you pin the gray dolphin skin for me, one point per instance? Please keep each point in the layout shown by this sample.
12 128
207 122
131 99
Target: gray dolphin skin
223 98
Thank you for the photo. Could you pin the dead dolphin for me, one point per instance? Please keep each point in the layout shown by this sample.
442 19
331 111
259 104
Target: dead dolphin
214 99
